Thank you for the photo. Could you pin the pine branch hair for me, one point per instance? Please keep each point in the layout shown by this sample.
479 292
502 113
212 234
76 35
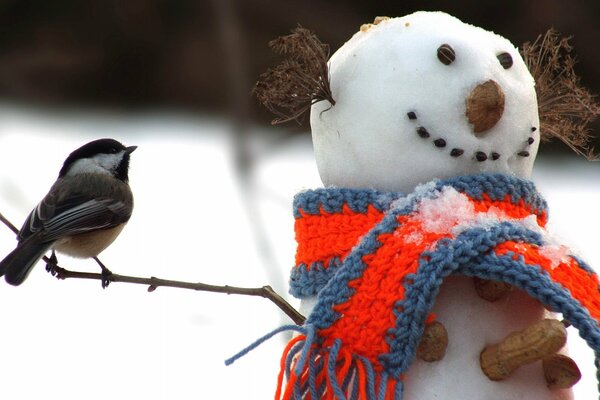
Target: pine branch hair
299 81
565 107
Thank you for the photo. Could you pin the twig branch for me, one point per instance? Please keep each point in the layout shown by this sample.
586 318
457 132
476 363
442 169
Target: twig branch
9 224
153 283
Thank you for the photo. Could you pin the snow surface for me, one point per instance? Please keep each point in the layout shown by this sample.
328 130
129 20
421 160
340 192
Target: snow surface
73 340
380 75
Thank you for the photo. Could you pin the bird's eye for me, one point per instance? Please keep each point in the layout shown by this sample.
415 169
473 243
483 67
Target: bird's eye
505 60
446 54
113 150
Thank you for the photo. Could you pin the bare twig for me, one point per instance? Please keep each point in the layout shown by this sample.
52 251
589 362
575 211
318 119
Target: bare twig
9 224
153 283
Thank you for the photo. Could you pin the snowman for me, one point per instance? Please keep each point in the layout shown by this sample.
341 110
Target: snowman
423 266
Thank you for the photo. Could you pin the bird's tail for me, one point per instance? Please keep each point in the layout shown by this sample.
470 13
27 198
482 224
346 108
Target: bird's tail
18 264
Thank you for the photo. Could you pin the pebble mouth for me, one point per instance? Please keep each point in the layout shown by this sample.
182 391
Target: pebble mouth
456 152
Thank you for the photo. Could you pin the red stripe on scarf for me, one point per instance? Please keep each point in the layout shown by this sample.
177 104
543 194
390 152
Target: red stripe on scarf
582 284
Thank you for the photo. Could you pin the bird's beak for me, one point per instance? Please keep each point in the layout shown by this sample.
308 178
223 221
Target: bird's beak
130 149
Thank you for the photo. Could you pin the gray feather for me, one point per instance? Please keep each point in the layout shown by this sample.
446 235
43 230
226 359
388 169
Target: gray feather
18 264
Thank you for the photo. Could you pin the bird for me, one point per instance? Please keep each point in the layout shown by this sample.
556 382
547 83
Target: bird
83 213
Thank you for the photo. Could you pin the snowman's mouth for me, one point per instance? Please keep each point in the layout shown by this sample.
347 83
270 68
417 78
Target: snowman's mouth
456 152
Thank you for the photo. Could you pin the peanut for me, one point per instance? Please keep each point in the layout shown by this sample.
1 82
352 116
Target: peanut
491 290
434 342
560 371
378 19
538 341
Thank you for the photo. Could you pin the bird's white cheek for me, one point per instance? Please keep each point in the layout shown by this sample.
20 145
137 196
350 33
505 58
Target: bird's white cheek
100 163
86 166
109 161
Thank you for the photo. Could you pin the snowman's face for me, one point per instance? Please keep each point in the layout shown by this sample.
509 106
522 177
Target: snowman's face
422 97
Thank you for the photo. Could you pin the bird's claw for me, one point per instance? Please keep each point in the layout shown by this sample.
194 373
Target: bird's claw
106 277
52 264
106 274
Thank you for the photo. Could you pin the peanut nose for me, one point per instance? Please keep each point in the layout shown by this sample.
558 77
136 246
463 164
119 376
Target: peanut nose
485 106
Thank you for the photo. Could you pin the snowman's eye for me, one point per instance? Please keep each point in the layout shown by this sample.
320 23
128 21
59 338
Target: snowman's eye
505 60
446 54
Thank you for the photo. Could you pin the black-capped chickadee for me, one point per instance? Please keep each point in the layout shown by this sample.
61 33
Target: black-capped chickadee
82 214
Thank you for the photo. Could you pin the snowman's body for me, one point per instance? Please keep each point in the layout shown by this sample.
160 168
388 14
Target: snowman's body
473 323
405 92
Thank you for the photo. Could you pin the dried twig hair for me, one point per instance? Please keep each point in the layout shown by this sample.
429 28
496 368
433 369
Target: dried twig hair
301 80
565 107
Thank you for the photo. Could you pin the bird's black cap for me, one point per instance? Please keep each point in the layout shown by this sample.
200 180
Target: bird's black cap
100 146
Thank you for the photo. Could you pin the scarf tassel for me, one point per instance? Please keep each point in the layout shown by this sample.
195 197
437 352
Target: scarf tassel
313 373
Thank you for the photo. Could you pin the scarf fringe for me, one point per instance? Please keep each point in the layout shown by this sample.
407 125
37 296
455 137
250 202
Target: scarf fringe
315 373
263 339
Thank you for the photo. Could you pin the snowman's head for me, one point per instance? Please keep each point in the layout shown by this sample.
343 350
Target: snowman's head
421 97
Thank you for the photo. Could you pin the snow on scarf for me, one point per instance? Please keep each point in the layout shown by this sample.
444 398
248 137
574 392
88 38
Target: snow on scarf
376 261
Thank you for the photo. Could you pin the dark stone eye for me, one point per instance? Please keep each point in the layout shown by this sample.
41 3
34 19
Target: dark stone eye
457 152
505 60
446 54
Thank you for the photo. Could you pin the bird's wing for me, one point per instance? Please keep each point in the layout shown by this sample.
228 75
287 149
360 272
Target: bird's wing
53 219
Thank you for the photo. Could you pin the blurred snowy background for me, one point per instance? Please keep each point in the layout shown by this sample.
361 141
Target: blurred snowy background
213 183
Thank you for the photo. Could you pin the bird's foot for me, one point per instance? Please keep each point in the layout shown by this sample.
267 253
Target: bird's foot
106 274
52 264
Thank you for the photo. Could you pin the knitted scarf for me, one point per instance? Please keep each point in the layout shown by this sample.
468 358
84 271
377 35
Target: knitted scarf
376 261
